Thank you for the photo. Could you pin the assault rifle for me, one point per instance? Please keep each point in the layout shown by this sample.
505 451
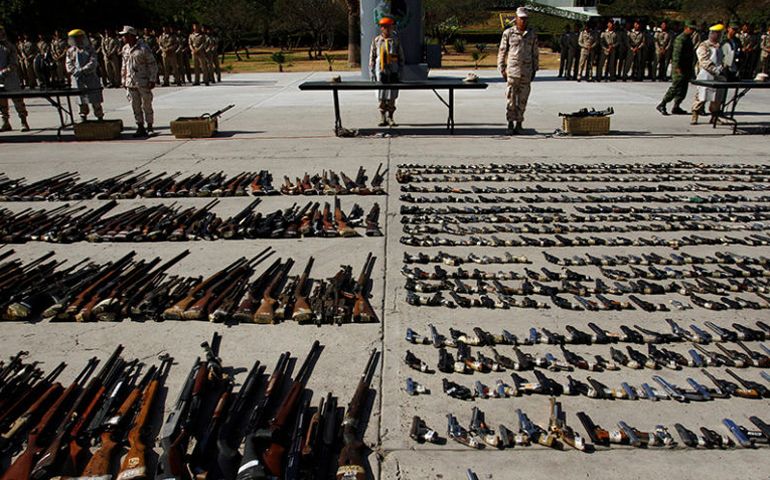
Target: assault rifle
350 464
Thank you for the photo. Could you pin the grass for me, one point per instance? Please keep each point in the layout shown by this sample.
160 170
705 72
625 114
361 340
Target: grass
297 61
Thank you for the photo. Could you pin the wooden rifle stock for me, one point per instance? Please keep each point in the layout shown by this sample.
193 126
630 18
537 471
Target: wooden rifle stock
266 311
302 311
362 309
176 311
343 227
350 465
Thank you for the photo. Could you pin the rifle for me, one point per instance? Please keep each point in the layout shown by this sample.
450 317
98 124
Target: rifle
176 311
350 464
36 389
245 311
362 310
171 463
373 222
302 311
294 456
328 436
134 464
266 311
251 452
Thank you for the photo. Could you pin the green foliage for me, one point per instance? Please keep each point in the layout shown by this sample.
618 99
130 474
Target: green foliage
477 57
329 59
481 47
459 45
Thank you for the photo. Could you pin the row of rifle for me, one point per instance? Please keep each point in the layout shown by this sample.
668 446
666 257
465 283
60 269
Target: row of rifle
558 240
587 209
50 430
68 186
667 198
405 176
541 189
139 289
66 224
558 434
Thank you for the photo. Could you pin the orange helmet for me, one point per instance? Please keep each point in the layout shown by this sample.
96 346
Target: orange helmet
386 21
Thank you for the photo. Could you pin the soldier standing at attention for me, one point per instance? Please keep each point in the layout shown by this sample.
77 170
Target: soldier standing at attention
518 60
96 41
386 59
710 62
59 51
184 57
138 74
82 61
663 42
574 53
212 51
764 58
634 63
622 50
609 43
112 61
28 54
197 42
9 67
564 53
682 70
169 46
587 42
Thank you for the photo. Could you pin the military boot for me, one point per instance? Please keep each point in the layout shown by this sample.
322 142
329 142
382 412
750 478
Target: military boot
677 110
6 127
383 120
140 132
24 125
694 120
519 130
391 121
509 130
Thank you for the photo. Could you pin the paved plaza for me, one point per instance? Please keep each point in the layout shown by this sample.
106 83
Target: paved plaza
275 127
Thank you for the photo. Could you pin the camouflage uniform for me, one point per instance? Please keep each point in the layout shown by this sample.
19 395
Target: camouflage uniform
764 58
564 55
609 44
574 52
634 56
710 62
622 51
750 41
519 58
29 51
185 57
112 60
212 51
169 47
682 70
197 42
96 42
587 42
138 71
59 48
152 41
9 68
663 42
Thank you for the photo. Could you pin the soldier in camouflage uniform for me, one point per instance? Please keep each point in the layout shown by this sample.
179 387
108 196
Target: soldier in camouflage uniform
587 43
663 43
150 39
764 55
28 50
138 74
518 60
750 41
574 53
59 48
608 42
169 48
622 51
9 67
197 42
45 68
564 52
96 42
112 61
185 57
634 64
682 70
212 51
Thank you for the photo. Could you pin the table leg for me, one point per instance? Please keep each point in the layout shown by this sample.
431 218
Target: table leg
451 121
337 118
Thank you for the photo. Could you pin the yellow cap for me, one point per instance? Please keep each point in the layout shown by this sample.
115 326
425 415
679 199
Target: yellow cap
717 28
76 32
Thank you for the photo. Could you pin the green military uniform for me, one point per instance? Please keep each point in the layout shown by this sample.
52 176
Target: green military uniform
112 61
28 50
197 42
169 47
59 48
682 70
587 41
212 51
608 42
634 56
663 42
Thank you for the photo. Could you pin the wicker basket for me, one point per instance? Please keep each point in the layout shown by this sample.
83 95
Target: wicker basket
194 127
98 129
586 125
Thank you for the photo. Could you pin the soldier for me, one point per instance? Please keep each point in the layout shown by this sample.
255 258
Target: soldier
197 42
609 44
96 41
28 54
212 51
622 51
9 67
663 42
587 43
750 41
112 61
518 61
81 62
564 53
151 40
634 62
138 73
574 53
45 67
682 70
764 57
732 51
59 51
650 54
169 48
185 57
710 62
386 60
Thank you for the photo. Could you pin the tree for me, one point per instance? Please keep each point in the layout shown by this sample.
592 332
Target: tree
354 35
444 17
756 11
317 18
233 19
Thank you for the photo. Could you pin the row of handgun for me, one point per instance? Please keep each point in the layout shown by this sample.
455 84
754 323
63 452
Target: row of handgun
68 186
139 289
541 189
667 198
680 166
558 240
51 429
558 434
588 209
67 224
